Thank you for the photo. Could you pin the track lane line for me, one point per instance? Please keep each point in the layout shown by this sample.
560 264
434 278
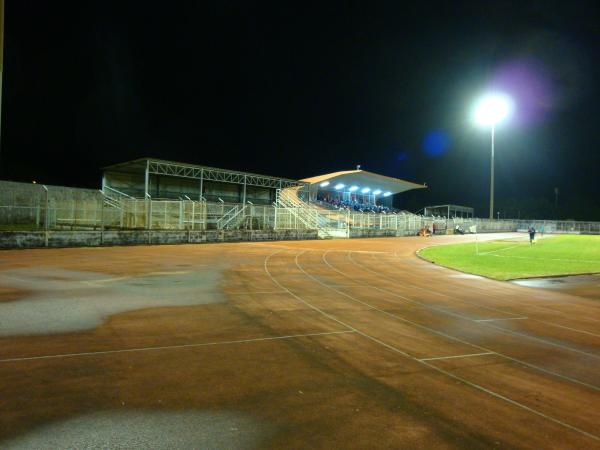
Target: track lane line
469 355
462 341
425 363
399 260
455 314
172 347
500 318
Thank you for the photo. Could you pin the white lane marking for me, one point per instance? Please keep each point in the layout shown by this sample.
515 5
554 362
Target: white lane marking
506 300
444 311
259 292
141 275
283 247
499 250
425 363
440 333
171 347
500 318
457 356
550 259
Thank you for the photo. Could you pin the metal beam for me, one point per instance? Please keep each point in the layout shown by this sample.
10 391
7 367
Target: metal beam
220 175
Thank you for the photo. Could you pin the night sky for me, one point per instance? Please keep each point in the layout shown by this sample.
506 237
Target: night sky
297 89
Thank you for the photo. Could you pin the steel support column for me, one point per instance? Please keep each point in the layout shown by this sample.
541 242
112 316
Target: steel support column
200 197
244 192
146 178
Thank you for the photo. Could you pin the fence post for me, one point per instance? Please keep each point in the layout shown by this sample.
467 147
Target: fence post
165 204
102 221
37 214
46 217
181 214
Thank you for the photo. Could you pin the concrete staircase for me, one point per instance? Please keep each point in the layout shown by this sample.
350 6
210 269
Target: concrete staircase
327 226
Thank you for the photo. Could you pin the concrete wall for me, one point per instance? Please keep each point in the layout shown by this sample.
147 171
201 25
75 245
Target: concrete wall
34 239
370 232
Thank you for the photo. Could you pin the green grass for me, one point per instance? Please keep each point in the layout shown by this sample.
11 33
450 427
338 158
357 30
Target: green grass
510 259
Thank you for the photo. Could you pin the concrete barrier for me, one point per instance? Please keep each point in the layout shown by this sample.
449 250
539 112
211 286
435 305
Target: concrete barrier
370 232
36 239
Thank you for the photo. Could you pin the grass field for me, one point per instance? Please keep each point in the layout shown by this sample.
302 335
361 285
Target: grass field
516 258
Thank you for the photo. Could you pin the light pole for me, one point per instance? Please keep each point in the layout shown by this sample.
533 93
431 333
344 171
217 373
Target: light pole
491 110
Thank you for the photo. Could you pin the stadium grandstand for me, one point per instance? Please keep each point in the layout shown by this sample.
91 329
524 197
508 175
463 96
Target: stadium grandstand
150 200
160 179
358 190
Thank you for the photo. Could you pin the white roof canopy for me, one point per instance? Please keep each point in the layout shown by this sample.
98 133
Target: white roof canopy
363 179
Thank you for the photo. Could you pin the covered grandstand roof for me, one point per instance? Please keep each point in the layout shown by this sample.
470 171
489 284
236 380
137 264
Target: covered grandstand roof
364 179
184 170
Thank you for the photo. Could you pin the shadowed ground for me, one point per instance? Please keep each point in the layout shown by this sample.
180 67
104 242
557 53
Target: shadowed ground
313 344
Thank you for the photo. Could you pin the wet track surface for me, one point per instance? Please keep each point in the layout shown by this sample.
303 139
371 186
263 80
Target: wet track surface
313 344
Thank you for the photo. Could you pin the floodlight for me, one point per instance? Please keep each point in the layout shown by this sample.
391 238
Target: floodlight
377 192
365 190
489 111
387 194
324 183
493 109
353 188
339 186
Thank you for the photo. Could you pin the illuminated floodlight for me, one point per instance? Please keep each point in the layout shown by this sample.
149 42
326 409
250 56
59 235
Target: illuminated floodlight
387 194
339 186
377 192
324 183
365 190
353 188
492 109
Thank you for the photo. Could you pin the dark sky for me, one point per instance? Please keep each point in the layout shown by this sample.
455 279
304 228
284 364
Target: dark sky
297 89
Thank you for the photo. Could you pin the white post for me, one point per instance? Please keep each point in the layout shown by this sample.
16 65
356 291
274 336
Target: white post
492 178
46 217
147 178
193 214
200 196
102 219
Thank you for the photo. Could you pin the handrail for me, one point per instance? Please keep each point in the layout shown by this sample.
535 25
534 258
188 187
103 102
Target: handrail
232 213
111 190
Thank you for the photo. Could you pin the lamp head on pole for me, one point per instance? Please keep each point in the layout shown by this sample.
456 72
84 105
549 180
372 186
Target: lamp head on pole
493 109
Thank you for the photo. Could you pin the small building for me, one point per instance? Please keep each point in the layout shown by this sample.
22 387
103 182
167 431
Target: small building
449 211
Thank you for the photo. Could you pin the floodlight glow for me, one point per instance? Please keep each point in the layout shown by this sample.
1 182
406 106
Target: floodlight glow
324 183
365 190
339 186
387 194
493 109
377 192
353 188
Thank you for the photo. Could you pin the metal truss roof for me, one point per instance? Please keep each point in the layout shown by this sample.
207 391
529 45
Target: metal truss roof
183 170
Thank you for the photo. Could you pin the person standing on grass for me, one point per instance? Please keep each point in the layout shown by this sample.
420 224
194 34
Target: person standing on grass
531 232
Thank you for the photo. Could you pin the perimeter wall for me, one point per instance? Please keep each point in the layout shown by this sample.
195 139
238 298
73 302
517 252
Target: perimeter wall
52 216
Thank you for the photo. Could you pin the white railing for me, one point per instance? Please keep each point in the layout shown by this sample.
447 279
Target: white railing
28 209
232 217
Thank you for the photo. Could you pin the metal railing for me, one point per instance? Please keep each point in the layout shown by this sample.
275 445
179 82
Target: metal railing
46 208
